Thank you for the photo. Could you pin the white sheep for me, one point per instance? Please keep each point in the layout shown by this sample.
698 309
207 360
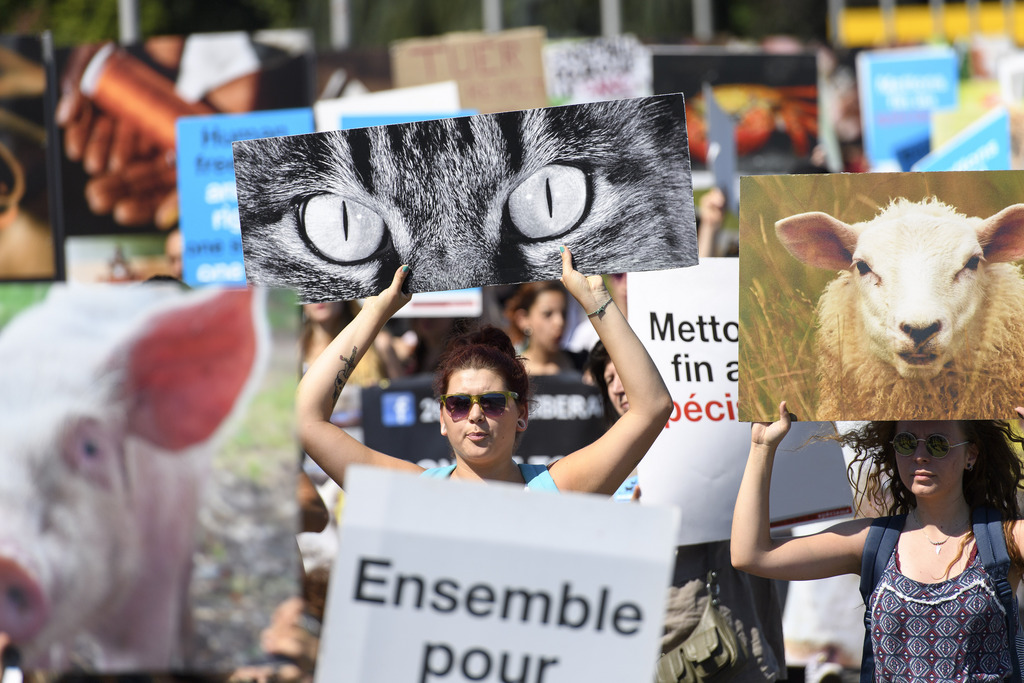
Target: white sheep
926 319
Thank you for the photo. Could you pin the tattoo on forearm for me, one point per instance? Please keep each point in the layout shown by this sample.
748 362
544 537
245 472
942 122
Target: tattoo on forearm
347 366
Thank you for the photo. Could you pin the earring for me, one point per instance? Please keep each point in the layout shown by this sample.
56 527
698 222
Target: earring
521 423
970 467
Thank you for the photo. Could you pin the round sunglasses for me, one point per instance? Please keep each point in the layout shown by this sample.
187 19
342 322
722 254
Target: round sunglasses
937 445
493 403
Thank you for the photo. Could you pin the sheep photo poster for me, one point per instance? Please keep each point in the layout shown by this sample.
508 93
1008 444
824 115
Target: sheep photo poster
882 296
470 201
162 536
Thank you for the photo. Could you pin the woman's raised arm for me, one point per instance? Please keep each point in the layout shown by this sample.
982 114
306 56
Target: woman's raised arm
603 465
837 550
329 445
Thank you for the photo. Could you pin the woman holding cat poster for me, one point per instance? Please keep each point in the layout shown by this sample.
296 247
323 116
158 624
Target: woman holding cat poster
484 393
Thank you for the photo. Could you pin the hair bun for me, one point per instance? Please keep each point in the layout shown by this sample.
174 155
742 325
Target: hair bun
489 335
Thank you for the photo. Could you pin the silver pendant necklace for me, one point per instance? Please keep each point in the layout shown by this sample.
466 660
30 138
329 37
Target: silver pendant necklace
935 544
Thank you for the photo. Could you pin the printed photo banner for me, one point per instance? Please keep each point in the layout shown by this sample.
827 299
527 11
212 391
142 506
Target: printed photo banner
882 296
28 214
773 98
146 432
446 580
116 134
466 202
697 462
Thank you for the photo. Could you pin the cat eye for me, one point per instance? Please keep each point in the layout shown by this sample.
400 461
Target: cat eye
550 202
340 229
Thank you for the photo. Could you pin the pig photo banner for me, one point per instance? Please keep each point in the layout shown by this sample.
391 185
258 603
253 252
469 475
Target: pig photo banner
161 536
471 201
882 296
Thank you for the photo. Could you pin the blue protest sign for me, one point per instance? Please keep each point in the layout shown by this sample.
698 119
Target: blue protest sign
206 188
899 90
982 146
386 119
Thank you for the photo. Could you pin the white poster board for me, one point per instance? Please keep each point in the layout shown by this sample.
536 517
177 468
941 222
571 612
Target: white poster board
438 98
442 580
688 320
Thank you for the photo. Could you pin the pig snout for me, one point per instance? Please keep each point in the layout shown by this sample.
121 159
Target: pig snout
23 607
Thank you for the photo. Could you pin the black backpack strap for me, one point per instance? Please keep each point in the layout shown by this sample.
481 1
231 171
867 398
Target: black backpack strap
883 535
991 543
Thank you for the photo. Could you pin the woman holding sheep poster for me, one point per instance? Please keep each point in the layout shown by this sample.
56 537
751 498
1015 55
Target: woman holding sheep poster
935 611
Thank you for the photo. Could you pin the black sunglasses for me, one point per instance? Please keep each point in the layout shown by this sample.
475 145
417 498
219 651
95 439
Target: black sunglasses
937 445
493 403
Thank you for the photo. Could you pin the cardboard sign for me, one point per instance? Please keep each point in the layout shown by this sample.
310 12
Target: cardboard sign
452 581
470 201
982 146
697 462
899 89
596 69
440 98
496 72
404 420
881 296
206 188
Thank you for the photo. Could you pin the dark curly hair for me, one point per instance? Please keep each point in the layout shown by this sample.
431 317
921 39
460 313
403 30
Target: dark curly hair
994 481
488 348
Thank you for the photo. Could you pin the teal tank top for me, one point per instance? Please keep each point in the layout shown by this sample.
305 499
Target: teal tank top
537 477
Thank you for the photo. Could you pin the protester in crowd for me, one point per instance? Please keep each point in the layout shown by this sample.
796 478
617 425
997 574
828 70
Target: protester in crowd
321 323
484 393
936 473
750 604
418 350
537 313
174 247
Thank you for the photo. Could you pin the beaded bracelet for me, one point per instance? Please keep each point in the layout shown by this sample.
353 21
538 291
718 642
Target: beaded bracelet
600 310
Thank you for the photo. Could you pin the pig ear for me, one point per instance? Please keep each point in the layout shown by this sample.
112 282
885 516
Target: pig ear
818 239
1002 235
186 370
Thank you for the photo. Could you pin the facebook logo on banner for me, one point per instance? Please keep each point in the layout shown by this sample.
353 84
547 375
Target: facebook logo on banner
398 409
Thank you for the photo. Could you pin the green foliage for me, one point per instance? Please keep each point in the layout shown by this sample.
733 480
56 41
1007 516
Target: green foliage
378 22
16 298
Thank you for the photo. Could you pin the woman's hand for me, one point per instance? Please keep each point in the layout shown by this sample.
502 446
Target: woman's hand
590 292
391 300
771 434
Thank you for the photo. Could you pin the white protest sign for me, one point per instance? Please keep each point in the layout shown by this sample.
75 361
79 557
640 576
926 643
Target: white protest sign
452 581
437 98
688 320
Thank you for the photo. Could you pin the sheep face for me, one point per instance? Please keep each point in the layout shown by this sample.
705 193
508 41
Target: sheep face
915 274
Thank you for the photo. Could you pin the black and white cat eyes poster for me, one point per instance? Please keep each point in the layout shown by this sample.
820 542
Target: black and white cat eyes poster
471 201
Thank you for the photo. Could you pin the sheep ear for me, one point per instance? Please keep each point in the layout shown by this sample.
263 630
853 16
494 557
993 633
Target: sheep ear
818 239
1002 235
